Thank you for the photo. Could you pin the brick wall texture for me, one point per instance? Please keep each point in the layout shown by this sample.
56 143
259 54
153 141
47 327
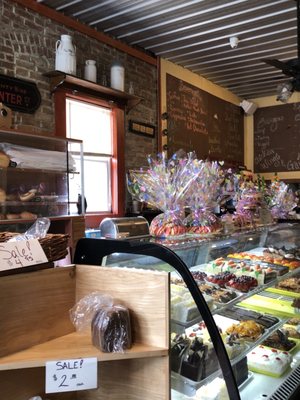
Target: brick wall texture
27 50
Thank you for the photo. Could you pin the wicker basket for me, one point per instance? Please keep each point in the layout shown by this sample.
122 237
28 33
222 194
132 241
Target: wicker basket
55 246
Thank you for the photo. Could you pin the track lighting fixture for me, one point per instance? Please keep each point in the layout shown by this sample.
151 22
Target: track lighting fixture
285 91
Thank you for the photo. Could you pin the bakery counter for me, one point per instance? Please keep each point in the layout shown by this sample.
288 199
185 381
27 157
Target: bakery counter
224 279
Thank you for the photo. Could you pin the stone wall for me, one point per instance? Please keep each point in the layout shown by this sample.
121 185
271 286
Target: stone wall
27 50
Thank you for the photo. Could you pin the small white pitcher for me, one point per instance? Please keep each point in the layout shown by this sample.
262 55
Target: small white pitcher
65 59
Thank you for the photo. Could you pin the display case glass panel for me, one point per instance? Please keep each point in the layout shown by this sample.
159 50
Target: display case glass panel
232 308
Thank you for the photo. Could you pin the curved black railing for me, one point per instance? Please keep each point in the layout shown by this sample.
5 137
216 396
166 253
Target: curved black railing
92 251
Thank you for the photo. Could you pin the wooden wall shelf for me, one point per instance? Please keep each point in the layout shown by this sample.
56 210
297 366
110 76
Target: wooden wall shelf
68 347
45 333
60 79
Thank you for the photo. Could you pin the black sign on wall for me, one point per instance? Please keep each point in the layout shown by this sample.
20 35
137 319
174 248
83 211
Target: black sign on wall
19 94
199 121
277 138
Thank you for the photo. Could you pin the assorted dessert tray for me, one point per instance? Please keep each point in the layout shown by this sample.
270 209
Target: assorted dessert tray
256 338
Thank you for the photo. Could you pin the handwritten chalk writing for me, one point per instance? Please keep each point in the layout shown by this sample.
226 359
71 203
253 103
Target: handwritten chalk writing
178 115
262 141
272 123
264 153
277 128
293 165
215 149
189 117
199 121
269 158
214 140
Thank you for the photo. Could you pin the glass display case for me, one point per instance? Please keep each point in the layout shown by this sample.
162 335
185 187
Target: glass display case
40 176
234 303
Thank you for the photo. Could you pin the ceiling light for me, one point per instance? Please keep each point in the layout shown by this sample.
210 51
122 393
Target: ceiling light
284 91
234 41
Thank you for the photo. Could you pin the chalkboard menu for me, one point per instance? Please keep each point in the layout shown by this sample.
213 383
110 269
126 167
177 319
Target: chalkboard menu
277 138
199 121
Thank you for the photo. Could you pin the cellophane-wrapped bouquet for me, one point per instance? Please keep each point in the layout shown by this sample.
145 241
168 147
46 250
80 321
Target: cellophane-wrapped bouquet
281 199
251 206
245 198
202 198
163 185
247 207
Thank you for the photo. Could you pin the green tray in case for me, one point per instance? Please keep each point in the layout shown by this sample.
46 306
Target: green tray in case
269 373
283 292
275 307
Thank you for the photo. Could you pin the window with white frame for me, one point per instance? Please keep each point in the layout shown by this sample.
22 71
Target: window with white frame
93 125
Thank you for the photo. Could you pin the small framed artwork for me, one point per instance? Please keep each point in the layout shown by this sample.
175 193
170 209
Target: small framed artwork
141 128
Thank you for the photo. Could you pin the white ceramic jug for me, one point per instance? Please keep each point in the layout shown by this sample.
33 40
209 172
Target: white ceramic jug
90 70
117 75
65 59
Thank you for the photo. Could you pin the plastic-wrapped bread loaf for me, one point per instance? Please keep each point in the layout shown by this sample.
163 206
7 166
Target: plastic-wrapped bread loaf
111 329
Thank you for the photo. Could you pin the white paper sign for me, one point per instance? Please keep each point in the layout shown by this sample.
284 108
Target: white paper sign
21 253
71 375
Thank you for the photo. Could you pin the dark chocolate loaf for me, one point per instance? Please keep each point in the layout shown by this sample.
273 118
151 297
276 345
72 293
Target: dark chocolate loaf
111 329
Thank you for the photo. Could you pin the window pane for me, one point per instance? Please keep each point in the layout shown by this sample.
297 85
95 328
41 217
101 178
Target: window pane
96 187
90 123
97 183
75 185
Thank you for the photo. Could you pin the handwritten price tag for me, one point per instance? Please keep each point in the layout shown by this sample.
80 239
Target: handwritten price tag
20 254
71 375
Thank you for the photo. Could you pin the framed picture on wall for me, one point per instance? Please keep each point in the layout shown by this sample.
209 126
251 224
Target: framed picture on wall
141 128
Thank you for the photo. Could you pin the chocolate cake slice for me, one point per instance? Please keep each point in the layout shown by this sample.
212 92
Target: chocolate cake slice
279 340
179 347
265 320
240 371
193 367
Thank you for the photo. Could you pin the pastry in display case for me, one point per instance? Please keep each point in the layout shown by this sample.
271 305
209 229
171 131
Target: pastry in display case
234 324
40 176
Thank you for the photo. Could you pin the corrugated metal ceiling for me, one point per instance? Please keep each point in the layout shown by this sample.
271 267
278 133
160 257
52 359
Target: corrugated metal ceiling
195 34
